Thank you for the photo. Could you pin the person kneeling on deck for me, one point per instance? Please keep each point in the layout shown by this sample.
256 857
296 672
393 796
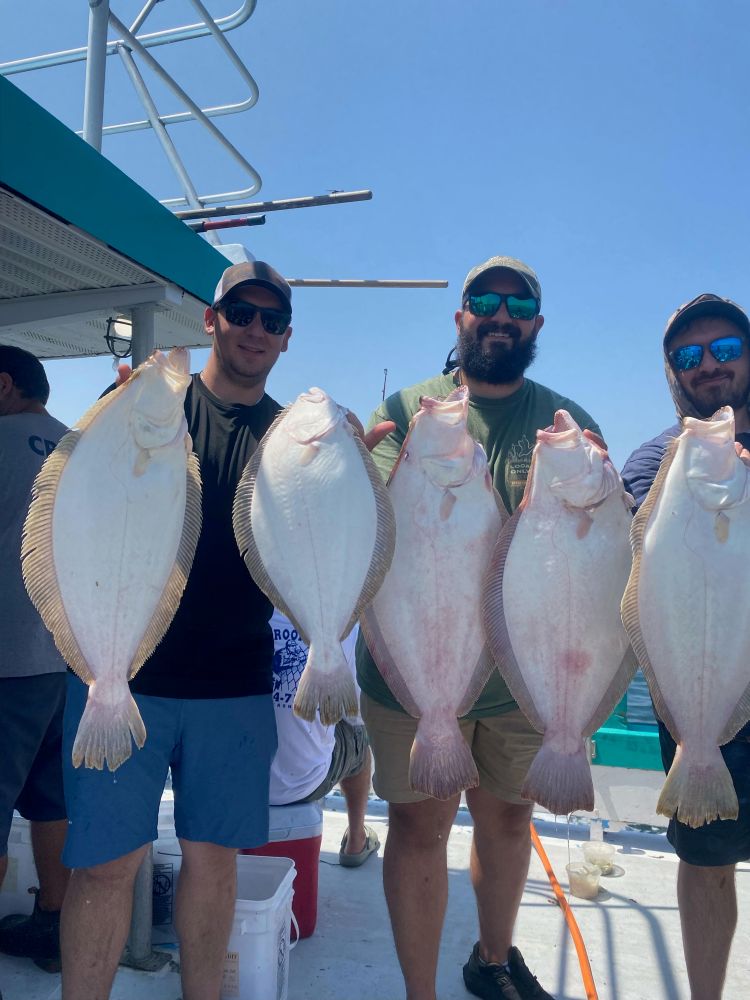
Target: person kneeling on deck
32 672
707 361
312 758
497 327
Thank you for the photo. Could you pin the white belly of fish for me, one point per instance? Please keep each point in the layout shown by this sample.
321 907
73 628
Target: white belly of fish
115 541
561 597
314 524
693 596
424 626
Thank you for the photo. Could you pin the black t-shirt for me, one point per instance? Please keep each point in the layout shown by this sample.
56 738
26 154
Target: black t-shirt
219 644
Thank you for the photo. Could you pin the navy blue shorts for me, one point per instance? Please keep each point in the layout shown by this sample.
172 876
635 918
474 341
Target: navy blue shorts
724 841
31 715
219 751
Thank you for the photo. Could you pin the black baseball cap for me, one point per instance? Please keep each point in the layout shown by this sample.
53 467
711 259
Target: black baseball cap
254 272
706 304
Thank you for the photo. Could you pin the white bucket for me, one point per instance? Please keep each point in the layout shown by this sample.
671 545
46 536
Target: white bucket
257 963
21 875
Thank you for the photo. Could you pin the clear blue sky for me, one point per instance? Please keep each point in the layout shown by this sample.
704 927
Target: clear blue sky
607 144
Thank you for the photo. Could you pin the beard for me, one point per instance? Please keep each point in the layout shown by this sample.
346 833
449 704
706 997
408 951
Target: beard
710 398
503 362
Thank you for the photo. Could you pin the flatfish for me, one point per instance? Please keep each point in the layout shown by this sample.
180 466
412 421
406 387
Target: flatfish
109 541
314 524
424 627
685 609
552 607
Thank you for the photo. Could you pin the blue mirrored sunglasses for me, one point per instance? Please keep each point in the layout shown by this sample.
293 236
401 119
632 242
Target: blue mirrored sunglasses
489 303
722 349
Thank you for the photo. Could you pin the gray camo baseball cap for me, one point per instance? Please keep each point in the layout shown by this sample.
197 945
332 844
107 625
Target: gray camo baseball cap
526 273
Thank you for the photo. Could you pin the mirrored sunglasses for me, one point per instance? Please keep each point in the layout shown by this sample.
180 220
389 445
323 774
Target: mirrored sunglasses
722 349
243 313
489 303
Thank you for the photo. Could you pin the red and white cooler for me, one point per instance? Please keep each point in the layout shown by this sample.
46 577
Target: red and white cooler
295 831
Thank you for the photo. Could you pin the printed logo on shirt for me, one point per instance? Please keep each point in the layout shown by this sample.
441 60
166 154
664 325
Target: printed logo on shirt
518 464
288 663
41 446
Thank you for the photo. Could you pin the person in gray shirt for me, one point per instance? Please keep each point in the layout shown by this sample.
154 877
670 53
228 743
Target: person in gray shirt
32 672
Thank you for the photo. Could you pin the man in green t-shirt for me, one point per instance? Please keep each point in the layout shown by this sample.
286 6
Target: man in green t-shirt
497 325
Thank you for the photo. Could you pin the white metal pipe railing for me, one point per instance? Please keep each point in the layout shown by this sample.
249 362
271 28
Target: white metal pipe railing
165 37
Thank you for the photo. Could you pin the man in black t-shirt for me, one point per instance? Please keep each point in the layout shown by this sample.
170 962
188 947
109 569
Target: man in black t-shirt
707 361
204 694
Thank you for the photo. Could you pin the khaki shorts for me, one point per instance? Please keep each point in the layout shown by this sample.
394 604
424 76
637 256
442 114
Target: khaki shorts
503 747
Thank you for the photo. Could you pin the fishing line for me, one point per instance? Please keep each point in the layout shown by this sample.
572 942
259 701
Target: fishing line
570 920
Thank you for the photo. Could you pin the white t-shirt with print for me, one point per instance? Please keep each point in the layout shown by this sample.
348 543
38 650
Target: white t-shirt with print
304 752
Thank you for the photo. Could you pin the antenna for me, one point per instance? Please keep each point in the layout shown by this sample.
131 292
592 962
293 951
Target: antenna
385 379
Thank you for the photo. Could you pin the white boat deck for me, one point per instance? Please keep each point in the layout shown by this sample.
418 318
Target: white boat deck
631 931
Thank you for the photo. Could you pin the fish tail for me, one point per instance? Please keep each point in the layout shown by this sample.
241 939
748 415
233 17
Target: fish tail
698 792
105 730
560 781
329 688
441 764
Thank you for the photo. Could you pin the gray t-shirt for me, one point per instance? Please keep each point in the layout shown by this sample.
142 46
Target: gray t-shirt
26 647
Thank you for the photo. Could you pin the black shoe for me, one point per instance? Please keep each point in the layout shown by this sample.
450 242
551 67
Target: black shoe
36 937
492 982
527 985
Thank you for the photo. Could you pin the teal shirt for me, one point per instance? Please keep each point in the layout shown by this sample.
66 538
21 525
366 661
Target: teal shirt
506 429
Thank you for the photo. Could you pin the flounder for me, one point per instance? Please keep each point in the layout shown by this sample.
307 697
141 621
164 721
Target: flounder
685 609
109 541
424 627
552 607
314 524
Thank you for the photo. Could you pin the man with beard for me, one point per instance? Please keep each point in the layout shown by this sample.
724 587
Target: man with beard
497 327
707 363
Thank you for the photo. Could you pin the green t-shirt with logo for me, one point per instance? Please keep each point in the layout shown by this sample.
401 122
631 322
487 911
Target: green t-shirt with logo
506 429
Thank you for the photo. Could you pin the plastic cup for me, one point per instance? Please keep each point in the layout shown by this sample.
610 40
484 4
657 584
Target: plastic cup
601 854
583 879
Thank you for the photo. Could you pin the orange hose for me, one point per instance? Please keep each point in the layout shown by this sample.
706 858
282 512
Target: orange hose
570 920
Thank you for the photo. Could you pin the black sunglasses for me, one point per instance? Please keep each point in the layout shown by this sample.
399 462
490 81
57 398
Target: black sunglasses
722 349
243 313
489 303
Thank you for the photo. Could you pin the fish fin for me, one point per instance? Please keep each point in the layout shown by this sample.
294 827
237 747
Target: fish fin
141 462
480 675
585 520
105 729
721 526
37 556
629 605
243 533
177 580
308 452
698 792
440 763
385 663
503 510
447 504
329 688
561 782
738 718
496 628
385 537
614 692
